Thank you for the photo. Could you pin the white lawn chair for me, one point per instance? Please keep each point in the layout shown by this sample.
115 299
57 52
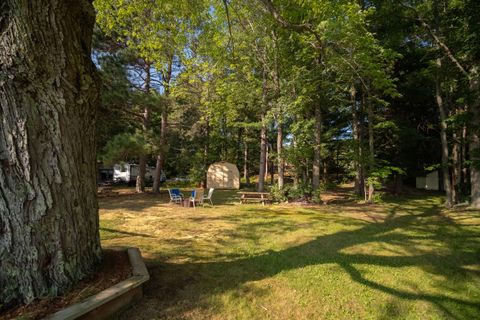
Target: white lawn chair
209 196
197 197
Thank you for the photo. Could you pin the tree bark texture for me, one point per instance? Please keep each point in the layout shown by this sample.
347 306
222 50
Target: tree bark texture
357 144
263 156
162 153
457 162
280 160
317 148
267 156
371 147
263 137
163 143
279 116
456 168
246 174
443 117
371 143
443 137
48 100
142 159
272 166
206 152
475 141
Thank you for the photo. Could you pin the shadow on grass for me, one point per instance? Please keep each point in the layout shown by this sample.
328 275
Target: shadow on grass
119 233
204 279
140 201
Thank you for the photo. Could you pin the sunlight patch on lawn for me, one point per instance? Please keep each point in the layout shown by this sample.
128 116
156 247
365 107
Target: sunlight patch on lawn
406 258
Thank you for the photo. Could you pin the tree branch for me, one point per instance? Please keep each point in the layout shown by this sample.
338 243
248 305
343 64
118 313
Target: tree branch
129 112
230 41
438 41
300 28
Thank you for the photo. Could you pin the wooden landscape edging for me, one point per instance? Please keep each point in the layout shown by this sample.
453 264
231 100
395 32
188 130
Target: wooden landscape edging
107 303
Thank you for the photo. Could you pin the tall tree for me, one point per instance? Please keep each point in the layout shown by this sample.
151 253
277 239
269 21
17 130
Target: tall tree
49 235
163 142
465 58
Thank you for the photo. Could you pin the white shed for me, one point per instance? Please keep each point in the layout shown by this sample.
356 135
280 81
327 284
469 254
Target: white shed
430 182
223 175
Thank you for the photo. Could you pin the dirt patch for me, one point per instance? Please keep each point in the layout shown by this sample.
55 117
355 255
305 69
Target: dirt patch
115 267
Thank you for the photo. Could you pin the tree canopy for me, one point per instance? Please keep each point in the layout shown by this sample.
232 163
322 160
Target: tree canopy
301 94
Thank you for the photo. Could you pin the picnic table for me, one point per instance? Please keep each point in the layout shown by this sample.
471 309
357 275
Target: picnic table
262 197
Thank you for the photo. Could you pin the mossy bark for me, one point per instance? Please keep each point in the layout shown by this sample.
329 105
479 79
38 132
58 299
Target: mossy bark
48 97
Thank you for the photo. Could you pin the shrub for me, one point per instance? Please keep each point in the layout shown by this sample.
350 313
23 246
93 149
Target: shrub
277 194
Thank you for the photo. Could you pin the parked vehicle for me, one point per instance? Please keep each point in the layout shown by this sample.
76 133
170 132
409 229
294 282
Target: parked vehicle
128 172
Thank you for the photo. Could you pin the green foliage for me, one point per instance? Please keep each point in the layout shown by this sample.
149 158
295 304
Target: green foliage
197 172
378 175
433 167
125 147
317 196
232 72
277 194
290 192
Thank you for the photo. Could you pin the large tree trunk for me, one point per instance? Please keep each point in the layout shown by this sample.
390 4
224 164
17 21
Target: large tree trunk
272 167
142 165
263 156
206 152
238 149
371 140
162 152
263 137
246 174
475 141
357 144
371 149
266 158
443 137
457 162
297 167
163 143
443 117
142 170
317 148
279 116
280 161
464 178
48 99
456 169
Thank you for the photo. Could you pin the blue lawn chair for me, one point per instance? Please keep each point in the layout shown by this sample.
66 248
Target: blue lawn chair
175 196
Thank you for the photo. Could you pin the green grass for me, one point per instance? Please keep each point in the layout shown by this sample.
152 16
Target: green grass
406 258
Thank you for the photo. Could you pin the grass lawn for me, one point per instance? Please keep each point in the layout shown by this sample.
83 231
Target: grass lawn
404 259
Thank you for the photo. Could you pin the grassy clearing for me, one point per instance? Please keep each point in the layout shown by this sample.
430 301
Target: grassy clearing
403 259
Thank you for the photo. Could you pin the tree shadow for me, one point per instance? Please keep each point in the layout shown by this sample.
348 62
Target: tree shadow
139 202
198 281
117 232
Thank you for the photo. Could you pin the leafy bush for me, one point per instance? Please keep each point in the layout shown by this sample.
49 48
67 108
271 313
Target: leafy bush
277 194
294 193
329 185
316 196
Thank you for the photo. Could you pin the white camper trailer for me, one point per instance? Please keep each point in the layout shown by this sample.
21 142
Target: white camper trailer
128 173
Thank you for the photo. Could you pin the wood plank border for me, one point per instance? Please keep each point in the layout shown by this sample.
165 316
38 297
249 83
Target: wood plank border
109 302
